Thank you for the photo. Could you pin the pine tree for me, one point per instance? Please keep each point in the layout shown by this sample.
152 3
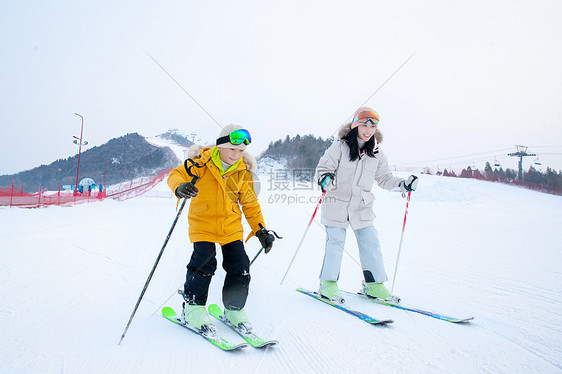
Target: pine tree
488 170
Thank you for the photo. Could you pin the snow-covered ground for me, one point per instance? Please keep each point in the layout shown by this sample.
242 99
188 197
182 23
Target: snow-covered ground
70 277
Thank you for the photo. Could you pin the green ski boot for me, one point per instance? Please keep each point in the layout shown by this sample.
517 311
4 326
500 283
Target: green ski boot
329 290
196 315
238 318
379 291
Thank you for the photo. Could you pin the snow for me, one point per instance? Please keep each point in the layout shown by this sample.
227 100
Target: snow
70 277
179 150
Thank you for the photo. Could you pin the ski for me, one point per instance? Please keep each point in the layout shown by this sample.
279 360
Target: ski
370 320
209 332
254 340
412 309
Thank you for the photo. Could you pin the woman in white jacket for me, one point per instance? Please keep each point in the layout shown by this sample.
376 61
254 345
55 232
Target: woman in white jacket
347 172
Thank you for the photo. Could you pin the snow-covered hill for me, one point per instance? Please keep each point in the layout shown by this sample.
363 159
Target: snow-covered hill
167 140
70 277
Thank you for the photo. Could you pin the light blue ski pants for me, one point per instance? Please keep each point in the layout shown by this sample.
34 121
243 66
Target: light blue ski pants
370 254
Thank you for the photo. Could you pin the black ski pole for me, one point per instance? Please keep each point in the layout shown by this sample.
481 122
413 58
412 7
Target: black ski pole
152 272
256 256
155 264
262 248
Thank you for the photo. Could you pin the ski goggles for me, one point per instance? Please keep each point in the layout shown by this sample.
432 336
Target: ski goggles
366 117
373 121
236 137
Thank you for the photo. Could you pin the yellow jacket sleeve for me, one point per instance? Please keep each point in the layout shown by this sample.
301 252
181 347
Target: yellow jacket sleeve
179 175
250 205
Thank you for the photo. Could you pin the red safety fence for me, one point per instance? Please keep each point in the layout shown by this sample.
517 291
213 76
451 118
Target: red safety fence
475 174
12 196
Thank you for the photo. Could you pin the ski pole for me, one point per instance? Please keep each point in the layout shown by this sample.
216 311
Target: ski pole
256 256
400 245
305 231
262 248
152 272
195 178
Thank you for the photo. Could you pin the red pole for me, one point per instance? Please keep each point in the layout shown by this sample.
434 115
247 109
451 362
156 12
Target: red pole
304 235
12 193
79 152
401 238
59 194
104 180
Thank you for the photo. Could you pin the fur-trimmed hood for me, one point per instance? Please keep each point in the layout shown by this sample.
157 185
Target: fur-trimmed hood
250 161
345 129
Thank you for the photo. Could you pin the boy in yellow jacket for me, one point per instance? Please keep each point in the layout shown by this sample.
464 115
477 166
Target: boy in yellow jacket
224 184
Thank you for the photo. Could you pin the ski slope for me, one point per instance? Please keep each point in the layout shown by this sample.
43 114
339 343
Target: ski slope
70 277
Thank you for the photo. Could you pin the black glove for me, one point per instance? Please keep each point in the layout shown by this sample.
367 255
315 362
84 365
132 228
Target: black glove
266 239
410 184
326 181
186 190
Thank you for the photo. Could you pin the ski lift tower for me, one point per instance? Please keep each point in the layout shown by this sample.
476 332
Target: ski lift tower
521 152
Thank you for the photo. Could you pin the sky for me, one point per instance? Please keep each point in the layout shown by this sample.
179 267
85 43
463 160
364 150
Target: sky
480 77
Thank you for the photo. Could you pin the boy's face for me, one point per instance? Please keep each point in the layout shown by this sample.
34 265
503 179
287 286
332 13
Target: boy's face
231 155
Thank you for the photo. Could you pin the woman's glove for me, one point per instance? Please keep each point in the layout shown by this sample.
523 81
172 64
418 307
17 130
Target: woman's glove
409 184
327 181
186 190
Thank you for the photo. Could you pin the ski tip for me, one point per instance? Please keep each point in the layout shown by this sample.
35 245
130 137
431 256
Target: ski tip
168 312
214 310
269 343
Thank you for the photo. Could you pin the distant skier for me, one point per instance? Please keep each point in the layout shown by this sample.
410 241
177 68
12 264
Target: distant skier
347 172
225 181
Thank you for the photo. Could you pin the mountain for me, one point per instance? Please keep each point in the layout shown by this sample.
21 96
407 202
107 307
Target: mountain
121 159
175 137
299 154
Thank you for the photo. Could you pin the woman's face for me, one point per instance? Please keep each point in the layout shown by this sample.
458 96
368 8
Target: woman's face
366 130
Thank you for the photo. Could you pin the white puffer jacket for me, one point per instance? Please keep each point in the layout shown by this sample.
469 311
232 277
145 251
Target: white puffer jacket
351 201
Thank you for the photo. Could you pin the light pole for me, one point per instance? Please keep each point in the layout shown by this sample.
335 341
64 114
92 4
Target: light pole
79 142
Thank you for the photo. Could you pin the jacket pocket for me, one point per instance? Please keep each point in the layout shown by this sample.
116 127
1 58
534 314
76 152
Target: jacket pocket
236 209
366 206
199 208
334 209
367 179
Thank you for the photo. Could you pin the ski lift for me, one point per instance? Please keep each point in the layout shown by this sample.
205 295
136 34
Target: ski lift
497 163
537 161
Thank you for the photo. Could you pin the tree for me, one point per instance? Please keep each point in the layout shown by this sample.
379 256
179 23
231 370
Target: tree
466 173
499 173
510 173
534 176
488 169
300 152
553 178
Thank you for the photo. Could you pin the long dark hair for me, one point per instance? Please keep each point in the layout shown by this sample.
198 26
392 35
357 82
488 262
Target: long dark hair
354 151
